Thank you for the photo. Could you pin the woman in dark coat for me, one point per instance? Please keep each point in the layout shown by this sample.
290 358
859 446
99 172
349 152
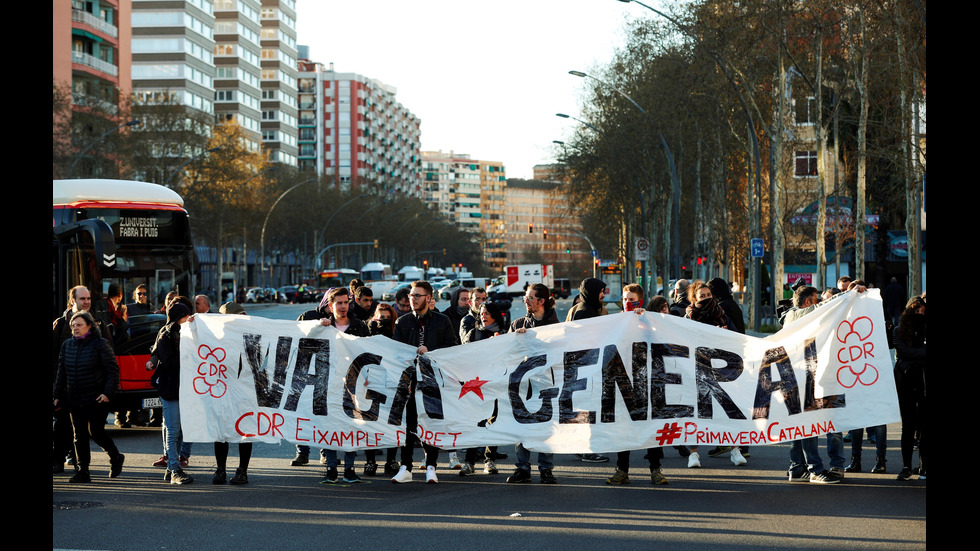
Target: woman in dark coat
910 379
87 378
165 359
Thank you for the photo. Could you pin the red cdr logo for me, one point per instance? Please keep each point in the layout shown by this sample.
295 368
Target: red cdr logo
856 351
211 372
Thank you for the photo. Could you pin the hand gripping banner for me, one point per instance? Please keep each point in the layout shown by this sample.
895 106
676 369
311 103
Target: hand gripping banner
604 384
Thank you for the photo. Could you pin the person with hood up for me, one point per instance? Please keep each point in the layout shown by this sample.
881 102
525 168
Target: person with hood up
459 307
165 361
591 292
723 294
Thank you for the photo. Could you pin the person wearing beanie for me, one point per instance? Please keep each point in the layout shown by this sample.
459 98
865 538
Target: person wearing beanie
165 363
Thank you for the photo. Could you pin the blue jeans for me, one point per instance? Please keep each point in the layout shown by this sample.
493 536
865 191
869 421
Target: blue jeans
545 460
835 449
881 440
172 437
805 453
331 456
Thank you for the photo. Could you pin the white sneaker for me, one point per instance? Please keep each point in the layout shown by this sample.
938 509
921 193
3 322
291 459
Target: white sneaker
404 475
693 461
430 475
454 462
737 458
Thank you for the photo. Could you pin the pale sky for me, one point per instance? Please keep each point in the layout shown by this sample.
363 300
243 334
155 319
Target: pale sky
485 78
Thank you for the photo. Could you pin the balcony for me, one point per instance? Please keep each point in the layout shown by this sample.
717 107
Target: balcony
79 16
91 61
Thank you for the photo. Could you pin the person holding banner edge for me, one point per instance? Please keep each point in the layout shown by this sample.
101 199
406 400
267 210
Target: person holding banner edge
338 306
633 302
540 311
704 308
428 330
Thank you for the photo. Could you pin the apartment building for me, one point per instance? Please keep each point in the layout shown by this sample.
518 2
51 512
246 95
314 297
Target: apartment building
280 110
353 130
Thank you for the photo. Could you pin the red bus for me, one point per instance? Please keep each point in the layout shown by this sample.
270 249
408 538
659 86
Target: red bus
125 233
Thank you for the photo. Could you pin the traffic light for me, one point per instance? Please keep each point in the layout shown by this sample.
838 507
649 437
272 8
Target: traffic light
545 232
375 243
444 252
568 250
530 227
425 264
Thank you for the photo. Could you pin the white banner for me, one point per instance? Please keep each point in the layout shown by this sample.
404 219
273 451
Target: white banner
600 385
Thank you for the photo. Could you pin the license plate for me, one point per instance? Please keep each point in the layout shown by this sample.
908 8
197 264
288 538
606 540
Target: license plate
152 403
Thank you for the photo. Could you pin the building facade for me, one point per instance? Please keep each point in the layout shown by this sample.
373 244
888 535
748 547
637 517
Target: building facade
353 130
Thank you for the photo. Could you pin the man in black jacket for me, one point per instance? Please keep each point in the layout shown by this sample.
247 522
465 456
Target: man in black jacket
332 310
428 330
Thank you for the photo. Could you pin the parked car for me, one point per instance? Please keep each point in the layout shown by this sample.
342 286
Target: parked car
286 294
389 295
254 294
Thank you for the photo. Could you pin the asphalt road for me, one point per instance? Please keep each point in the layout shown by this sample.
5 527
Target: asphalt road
718 506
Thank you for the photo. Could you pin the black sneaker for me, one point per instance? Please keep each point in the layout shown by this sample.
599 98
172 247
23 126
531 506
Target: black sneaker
81 476
331 476
520 475
180 477
823 477
219 477
854 466
241 477
798 476
547 477
350 477
391 468
905 474
879 467
592 457
370 468
115 465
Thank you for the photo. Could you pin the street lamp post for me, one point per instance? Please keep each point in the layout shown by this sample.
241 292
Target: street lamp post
324 230
674 235
134 122
643 215
262 238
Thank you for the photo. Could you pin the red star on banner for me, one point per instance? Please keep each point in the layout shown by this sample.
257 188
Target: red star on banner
474 387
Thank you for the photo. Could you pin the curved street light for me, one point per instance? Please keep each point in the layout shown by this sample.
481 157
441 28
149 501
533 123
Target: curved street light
262 238
134 122
340 208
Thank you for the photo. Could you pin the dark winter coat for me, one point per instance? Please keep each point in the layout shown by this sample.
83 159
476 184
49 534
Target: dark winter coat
723 294
438 330
591 305
452 311
357 327
86 368
528 321
910 353
165 354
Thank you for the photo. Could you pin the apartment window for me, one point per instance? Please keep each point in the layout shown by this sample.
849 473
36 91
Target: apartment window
806 164
804 111
225 95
